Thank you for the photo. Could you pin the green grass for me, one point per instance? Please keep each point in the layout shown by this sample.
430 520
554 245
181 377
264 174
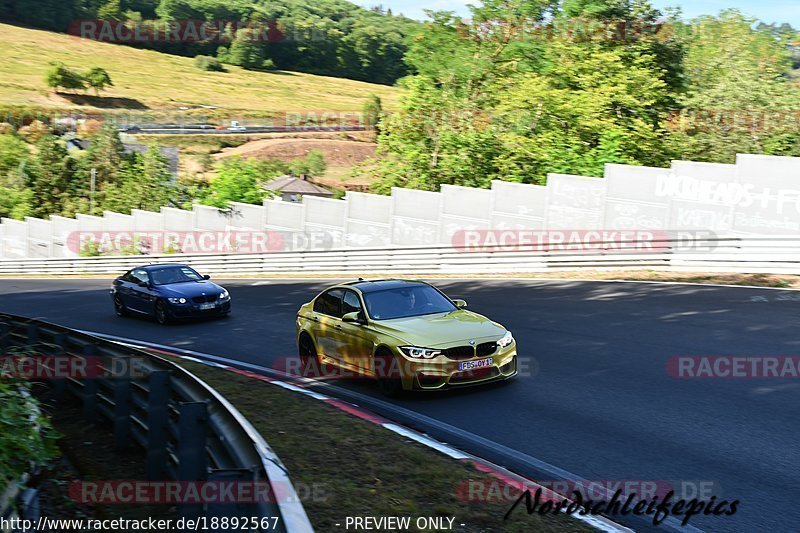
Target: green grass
148 80
363 469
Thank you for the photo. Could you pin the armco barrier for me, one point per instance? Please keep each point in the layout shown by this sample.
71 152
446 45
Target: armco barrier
188 431
767 254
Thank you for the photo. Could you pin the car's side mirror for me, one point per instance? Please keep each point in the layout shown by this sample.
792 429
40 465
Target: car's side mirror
353 317
206 277
144 285
461 304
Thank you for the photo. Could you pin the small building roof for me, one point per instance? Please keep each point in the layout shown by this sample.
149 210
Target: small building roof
294 185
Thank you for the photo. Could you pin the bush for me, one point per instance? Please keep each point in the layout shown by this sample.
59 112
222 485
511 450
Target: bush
27 438
207 63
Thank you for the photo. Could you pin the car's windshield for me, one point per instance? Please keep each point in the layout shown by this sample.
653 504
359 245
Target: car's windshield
170 275
403 302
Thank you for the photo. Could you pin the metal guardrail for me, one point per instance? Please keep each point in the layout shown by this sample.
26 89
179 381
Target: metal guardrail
766 254
188 431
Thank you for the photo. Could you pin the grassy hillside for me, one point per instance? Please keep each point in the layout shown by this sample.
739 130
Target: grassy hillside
150 80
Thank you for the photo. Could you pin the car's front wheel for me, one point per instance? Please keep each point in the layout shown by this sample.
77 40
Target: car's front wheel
162 314
309 359
119 307
387 373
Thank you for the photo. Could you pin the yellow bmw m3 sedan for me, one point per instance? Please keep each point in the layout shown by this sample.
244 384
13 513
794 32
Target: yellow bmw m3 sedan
407 335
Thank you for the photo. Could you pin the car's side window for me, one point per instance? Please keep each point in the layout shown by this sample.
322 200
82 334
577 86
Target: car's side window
330 303
128 276
351 303
140 276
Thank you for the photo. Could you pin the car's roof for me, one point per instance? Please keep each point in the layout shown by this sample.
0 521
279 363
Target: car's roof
159 266
366 286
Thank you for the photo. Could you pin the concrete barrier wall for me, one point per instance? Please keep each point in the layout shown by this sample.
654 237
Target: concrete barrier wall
759 195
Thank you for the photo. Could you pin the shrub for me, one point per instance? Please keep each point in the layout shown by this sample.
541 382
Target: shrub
207 63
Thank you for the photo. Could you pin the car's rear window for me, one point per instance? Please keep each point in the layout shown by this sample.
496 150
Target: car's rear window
404 302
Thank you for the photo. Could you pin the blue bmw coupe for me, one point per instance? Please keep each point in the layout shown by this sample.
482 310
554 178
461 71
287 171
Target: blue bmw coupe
168 292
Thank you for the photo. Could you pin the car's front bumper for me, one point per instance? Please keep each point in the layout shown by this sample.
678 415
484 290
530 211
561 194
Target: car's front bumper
193 310
447 375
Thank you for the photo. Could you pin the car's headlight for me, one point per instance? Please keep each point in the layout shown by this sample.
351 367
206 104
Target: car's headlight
177 300
506 340
420 353
224 295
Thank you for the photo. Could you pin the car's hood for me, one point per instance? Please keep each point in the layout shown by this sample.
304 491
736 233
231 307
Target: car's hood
442 329
190 289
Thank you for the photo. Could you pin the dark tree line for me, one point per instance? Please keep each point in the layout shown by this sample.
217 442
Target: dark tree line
327 37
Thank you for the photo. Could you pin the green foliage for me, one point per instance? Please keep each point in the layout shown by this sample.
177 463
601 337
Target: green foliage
246 52
145 182
241 180
312 165
27 438
736 77
51 176
98 79
111 10
59 76
210 64
330 37
13 151
373 112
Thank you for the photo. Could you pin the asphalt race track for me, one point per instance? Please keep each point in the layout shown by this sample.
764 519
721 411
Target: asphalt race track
600 404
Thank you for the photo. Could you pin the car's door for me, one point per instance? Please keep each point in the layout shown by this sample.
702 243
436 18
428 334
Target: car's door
358 346
123 286
327 330
140 297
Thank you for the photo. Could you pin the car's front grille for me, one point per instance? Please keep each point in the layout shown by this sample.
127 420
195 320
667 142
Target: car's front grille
207 299
459 353
486 349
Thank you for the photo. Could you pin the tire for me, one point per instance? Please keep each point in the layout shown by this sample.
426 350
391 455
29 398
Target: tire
162 315
309 358
119 307
389 384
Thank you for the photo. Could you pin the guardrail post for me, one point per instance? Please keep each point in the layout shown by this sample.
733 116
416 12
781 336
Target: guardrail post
158 385
233 508
60 383
122 406
5 336
89 390
192 460
32 332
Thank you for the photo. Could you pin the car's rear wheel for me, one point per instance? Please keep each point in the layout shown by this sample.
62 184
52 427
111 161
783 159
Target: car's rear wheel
119 307
309 358
387 373
162 315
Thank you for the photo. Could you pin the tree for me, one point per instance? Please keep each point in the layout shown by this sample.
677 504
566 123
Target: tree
59 76
738 97
491 99
373 112
106 155
242 180
245 51
312 165
13 151
111 10
98 79
51 177
145 183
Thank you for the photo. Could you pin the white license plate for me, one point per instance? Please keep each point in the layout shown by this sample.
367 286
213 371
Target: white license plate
474 365
206 307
